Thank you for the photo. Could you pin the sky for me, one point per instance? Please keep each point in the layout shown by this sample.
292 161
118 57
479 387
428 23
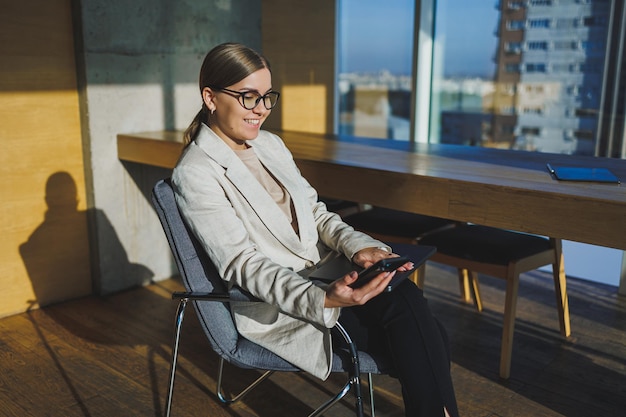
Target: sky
377 35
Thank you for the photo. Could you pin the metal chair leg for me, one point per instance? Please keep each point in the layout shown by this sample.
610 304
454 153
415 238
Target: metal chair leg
243 393
354 379
180 315
370 384
344 391
354 376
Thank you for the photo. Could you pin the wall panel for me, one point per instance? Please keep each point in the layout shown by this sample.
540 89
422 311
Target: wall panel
44 250
299 41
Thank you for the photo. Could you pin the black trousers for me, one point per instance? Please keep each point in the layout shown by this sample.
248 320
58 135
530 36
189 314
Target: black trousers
400 326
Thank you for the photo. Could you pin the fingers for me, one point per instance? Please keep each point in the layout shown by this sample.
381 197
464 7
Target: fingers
406 267
340 294
382 281
351 277
368 256
370 290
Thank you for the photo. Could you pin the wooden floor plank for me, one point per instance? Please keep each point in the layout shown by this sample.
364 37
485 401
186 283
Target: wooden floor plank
103 356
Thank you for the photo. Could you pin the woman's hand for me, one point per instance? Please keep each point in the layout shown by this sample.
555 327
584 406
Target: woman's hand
369 256
340 294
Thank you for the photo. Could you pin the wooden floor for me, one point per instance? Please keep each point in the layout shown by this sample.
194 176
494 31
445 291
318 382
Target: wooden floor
110 357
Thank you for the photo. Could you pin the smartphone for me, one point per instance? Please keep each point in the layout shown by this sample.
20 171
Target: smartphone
384 265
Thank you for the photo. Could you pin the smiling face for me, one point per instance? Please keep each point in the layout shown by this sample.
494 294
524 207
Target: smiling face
230 120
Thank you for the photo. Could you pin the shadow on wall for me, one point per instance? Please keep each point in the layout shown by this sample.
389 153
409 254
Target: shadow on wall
57 253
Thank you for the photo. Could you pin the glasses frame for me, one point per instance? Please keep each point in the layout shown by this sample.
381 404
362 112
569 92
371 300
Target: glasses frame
240 97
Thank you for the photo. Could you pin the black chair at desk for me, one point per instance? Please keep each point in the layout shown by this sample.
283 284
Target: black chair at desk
504 254
474 249
392 226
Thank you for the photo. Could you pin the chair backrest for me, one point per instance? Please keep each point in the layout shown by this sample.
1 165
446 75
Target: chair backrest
197 271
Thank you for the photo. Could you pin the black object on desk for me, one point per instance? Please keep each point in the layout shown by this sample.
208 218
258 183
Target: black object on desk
568 173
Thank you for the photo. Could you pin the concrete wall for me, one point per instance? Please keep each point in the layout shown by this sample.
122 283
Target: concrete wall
138 69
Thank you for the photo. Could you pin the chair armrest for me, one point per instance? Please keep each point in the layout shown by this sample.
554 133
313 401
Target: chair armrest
207 296
235 294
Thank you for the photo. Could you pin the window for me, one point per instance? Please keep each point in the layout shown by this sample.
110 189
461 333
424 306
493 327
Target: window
515 24
569 77
516 4
480 76
561 67
470 90
512 68
375 61
513 47
537 45
567 23
586 113
535 67
565 45
594 21
584 134
533 131
532 110
539 23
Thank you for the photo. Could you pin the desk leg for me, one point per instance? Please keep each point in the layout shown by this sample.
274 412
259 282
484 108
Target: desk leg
560 287
622 280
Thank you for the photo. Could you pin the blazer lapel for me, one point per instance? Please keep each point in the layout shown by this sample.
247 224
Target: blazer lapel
259 199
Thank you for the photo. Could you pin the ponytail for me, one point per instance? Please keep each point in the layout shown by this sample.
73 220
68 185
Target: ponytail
192 131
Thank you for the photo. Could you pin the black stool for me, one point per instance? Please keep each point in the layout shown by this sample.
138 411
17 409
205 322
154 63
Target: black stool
396 226
503 254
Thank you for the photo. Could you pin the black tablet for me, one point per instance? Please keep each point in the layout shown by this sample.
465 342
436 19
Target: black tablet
340 265
384 265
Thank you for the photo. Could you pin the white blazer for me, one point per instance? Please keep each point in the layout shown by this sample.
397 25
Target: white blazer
253 245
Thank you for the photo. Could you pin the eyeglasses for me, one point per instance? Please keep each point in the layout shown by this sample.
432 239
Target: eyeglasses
251 98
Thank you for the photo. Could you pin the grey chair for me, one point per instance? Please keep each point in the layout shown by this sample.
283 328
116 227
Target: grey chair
210 297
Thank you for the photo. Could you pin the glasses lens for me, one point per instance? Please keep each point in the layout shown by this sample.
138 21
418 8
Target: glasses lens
250 100
270 99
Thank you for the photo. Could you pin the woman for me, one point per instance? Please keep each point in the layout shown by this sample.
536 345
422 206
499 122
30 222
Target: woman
260 222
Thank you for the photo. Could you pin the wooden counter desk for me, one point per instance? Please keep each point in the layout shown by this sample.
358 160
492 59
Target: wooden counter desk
506 189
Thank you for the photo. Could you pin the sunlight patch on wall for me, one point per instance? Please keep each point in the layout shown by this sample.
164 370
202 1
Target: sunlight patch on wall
303 108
